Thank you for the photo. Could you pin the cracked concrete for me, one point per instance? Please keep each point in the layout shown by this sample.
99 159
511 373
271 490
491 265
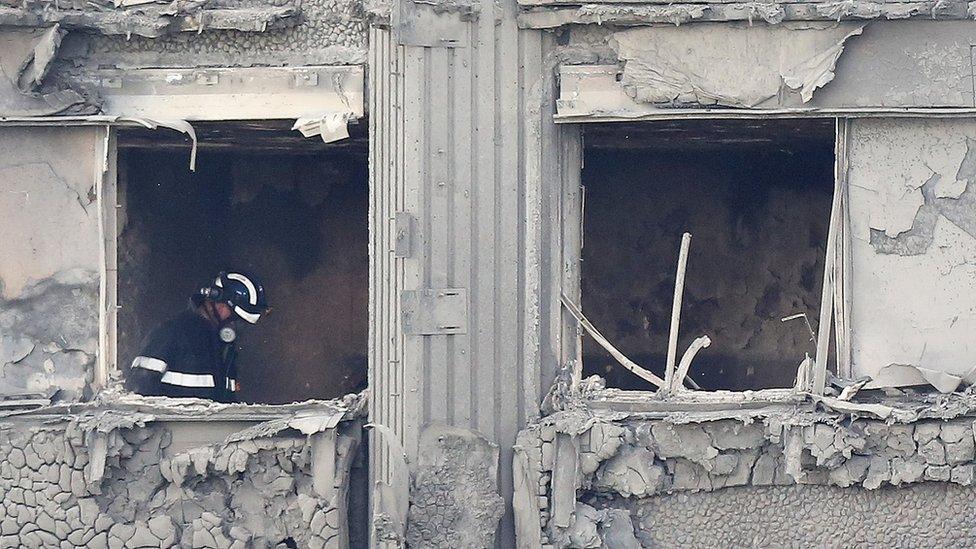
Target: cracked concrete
454 501
640 463
109 478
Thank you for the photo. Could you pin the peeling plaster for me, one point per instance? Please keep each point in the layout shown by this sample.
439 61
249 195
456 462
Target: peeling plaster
938 197
913 262
817 71
49 339
26 57
759 64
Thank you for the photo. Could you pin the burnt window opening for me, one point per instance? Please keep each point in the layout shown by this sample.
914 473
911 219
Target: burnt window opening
756 197
265 200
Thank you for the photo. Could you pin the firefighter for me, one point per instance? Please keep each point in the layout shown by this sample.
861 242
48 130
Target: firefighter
193 354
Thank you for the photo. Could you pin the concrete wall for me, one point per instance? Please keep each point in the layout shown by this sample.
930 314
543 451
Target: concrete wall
462 143
296 221
115 478
912 205
758 214
49 275
771 478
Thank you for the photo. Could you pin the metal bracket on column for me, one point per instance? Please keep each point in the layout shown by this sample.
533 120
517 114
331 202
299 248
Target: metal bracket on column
403 235
434 312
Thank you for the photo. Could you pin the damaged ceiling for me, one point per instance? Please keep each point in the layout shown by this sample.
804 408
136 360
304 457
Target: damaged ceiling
26 57
783 134
34 30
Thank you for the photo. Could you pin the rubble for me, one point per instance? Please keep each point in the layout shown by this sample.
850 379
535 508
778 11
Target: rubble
640 457
109 477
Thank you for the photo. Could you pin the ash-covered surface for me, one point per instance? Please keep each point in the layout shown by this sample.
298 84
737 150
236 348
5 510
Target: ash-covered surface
618 478
925 514
106 477
48 337
48 261
454 501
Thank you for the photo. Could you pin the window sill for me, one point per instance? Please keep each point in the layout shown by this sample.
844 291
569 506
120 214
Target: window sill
193 409
693 401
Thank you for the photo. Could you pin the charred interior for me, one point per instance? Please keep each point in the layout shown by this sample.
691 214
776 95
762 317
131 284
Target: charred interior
266 201
756 197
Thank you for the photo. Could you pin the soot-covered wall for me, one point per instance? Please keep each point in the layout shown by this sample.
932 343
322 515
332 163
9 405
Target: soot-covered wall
297 221
756 200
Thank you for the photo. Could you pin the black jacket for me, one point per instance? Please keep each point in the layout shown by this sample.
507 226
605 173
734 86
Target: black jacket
184 357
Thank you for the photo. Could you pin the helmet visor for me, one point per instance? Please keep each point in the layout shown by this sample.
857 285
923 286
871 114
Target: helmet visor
251 318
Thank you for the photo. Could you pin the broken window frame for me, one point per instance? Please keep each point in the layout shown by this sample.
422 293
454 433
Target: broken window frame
834 310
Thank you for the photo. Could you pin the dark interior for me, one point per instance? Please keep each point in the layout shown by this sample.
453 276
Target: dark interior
755 195
268 201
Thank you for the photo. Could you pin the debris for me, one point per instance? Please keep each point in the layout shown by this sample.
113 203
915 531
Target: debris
804 374
900 375
36 66
852 388
309 423
181 126
806 320
605 343
679 287
880 411
330 127
686 359
817 71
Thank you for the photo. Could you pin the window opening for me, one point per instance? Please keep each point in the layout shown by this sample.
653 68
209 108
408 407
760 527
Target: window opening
756 197
263 200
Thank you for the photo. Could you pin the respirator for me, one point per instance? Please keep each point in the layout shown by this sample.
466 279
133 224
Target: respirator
227 332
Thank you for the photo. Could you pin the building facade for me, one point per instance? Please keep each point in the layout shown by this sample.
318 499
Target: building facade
477 210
